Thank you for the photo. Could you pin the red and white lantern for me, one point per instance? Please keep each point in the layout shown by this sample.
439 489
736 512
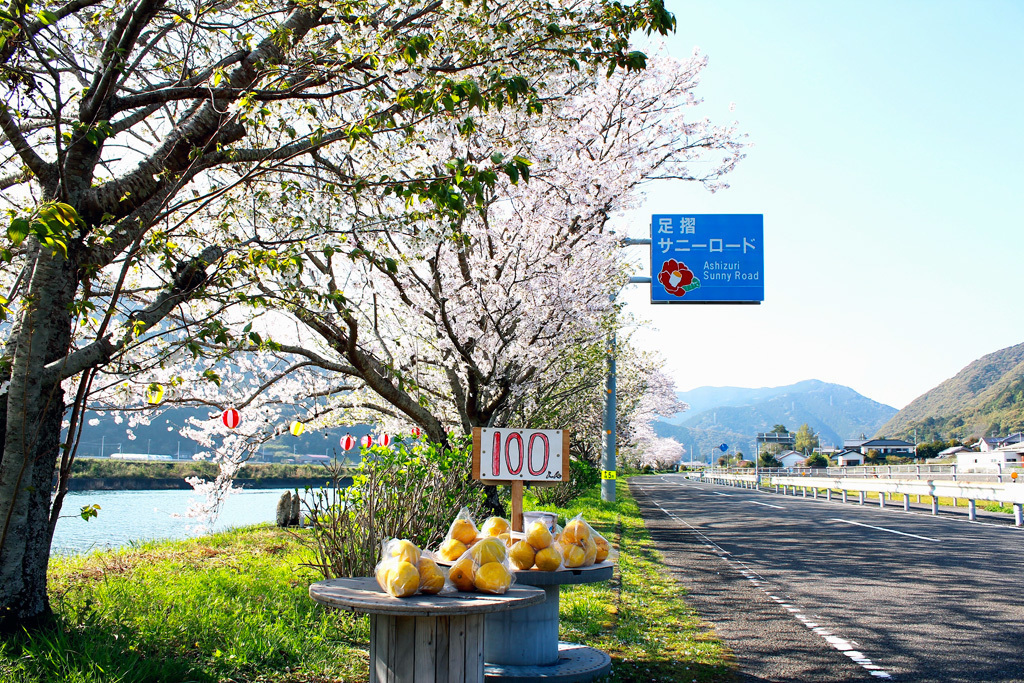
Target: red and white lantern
385 440
348 442
230 418
366 441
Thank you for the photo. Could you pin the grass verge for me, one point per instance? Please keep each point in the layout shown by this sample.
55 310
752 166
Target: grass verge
234 607
640 617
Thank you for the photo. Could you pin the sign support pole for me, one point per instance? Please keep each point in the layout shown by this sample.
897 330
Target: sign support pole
608 458
517 505
608 464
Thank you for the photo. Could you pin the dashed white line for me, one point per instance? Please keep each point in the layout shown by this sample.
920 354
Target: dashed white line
882 528
719 493
767 505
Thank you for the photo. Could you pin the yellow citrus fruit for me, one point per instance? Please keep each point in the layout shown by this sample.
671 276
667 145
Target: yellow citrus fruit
403 580
383 571
463 530
505 538
431 578
602 549
538 536
589 552
573 556
406 551
462 574
576 531
493 578
547 559
489 549
521 555
495 526
452 549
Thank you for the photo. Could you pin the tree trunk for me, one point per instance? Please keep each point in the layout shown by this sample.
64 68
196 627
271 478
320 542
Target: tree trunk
32 416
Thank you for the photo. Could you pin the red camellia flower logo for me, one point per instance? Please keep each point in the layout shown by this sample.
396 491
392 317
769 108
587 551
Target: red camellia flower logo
676 278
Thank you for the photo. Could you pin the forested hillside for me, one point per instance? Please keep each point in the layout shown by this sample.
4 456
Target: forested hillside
983 399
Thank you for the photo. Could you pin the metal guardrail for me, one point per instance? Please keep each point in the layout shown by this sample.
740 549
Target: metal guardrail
998 473
1002 492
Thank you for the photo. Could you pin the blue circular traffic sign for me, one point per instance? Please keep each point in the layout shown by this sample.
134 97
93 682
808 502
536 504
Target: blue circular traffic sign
724 447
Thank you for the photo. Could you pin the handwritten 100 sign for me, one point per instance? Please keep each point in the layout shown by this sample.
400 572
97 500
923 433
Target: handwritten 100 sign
520 454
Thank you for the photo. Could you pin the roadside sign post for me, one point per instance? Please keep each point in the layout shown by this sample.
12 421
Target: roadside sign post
695 259
517 456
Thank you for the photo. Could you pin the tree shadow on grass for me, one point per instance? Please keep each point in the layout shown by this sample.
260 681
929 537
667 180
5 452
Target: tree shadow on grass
96 652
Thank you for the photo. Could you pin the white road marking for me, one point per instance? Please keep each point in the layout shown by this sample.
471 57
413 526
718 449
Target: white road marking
767 505
882 528
719 493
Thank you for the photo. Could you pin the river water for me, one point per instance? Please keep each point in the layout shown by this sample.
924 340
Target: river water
129 516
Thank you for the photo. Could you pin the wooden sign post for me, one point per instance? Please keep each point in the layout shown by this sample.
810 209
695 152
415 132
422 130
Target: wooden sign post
518 456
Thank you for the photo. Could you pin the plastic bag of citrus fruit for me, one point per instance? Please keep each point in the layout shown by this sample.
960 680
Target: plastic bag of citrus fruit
495 526
537 549
403 570
581 546
484 567
461 534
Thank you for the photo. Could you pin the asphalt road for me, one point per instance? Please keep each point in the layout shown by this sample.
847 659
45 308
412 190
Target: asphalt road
812 590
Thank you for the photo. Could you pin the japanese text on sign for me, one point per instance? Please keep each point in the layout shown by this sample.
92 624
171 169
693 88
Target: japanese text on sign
536 455
707 258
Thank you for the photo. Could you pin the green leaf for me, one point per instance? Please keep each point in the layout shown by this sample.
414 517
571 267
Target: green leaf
18 230
46 17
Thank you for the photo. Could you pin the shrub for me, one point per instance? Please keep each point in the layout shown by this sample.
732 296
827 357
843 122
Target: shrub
582 477
412 491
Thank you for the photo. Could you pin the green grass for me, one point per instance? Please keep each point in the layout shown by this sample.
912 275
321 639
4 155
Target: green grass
234 607
640 618
231 607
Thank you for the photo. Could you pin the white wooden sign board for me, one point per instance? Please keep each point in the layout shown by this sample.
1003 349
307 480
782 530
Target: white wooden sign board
527 455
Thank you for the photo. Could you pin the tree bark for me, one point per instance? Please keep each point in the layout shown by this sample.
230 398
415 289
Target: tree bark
31 428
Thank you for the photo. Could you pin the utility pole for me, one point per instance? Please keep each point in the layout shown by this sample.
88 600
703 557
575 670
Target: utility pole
608 463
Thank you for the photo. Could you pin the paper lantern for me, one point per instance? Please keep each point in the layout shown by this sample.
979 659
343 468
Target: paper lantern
154 393
366 441
297 428
347 442
385 440
230 418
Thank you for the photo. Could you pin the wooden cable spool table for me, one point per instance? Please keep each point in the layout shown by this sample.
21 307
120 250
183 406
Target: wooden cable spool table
523 646
423 637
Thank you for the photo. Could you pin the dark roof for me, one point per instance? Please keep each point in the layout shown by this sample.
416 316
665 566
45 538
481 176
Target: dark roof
849 452
886 442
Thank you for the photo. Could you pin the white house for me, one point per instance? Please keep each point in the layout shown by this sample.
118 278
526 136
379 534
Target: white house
791 458
849 459
986 460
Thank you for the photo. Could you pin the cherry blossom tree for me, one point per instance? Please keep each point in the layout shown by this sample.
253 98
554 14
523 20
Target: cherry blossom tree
444 314
123 121
462 326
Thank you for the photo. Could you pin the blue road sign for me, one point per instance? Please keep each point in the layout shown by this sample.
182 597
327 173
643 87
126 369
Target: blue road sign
724 447
707 258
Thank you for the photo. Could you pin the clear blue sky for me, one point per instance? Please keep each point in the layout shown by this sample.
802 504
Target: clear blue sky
888 165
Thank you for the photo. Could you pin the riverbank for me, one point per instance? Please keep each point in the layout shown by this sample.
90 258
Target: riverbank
94 474
234 606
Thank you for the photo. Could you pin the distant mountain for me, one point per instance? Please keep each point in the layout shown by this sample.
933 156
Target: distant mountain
985 398
161 437
734 415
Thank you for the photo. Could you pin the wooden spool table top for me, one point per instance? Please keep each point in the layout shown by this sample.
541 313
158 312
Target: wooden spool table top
602 571
363 594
